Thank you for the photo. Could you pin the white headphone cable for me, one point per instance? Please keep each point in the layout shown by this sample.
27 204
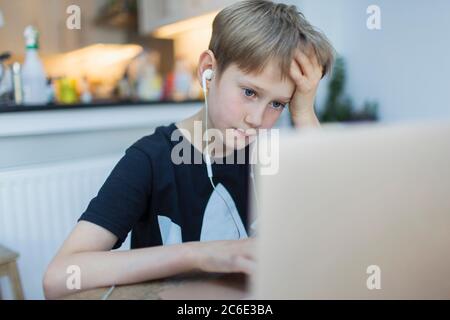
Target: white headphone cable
108 293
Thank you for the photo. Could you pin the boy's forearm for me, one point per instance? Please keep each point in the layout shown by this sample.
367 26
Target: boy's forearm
103 269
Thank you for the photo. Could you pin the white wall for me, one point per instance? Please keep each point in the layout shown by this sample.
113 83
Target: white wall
405 65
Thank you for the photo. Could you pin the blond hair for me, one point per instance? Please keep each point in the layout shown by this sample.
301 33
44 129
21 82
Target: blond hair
251 33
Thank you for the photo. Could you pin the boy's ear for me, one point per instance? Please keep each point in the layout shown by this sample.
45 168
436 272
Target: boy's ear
206 61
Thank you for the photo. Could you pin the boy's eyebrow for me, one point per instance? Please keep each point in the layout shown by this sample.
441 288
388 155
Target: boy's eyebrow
262 90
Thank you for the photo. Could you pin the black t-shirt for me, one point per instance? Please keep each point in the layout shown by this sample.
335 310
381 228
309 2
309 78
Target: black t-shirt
163 202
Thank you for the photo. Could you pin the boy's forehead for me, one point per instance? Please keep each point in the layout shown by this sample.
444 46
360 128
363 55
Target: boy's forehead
269 78
270 70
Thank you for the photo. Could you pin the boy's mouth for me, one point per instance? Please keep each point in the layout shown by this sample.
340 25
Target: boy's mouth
244 133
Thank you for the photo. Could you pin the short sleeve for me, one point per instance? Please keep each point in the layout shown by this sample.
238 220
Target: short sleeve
124 196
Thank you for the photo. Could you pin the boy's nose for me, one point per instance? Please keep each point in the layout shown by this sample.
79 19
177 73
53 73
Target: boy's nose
255 116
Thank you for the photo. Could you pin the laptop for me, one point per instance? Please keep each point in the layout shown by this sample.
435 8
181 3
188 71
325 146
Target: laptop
359 212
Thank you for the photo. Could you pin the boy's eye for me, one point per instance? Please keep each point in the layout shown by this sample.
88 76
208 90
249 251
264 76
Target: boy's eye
277 105
249 93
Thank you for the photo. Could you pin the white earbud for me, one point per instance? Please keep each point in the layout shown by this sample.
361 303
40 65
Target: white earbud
207 75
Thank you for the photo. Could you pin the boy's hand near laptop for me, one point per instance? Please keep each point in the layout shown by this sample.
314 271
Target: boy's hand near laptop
225 256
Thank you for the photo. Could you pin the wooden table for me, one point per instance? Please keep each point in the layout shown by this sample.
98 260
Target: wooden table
8 267
189 287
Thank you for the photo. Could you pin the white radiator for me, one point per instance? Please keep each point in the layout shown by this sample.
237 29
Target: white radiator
40 205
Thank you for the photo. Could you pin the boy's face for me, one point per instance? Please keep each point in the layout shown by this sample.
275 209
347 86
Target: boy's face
247 101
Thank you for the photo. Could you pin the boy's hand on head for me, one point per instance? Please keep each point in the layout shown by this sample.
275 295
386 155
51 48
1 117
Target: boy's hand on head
306 72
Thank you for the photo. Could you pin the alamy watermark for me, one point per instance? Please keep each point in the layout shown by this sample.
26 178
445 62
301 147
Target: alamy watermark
73 21
373 282
264 151
73 281
374 19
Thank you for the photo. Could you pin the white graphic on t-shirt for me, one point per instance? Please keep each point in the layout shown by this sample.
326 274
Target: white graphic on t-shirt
221 221
170 231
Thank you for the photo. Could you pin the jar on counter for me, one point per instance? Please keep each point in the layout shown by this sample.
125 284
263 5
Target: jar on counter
148 83
67 90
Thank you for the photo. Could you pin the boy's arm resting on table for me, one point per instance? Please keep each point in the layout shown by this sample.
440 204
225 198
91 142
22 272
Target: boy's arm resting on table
88 247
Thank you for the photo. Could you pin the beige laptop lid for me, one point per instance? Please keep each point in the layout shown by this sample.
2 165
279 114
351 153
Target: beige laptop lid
359 213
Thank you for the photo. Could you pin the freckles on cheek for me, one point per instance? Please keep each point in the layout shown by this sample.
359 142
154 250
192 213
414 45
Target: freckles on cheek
231 111
236 107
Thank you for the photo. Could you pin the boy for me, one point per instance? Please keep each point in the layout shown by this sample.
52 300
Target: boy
263 56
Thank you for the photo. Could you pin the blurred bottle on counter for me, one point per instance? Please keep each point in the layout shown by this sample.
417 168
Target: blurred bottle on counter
17 80
148 79
181 83
34 80
124 88
168 86
195 91
86 96
182 80
6 81
51 95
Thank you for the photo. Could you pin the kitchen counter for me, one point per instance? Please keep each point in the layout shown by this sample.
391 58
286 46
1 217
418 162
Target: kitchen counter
54 135
20 121
96 104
